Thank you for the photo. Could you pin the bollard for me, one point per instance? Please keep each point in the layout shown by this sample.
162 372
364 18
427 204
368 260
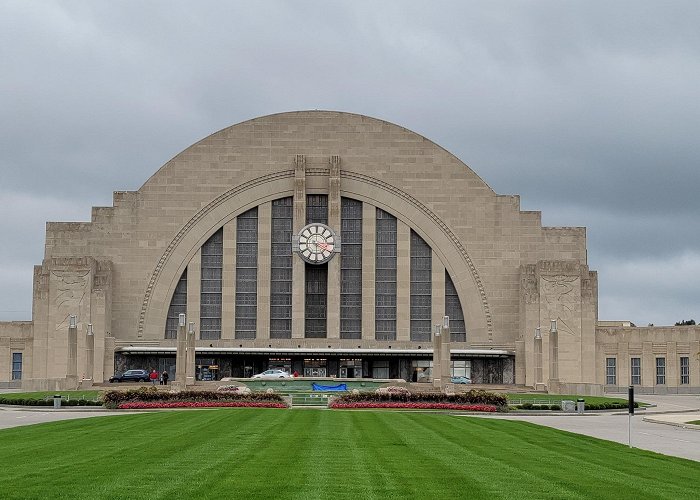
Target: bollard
56 401
580 406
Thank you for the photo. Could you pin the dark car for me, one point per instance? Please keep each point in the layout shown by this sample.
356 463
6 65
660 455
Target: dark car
130 376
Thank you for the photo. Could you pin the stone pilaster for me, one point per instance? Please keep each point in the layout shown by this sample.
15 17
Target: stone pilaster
403 281
333 295
228 282
299 269
369 262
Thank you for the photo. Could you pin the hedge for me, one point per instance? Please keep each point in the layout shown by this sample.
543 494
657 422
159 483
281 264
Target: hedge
49 402
472 397
114 399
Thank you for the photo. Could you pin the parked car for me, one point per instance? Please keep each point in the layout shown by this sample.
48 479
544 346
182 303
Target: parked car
461 380
130 376
274 373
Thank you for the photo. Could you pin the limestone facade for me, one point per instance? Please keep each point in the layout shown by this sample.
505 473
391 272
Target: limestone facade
119 272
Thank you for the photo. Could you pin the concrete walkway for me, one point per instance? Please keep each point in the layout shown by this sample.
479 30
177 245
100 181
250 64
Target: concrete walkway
666 439
18 416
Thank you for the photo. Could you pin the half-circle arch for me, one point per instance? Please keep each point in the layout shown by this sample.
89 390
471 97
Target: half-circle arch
451 251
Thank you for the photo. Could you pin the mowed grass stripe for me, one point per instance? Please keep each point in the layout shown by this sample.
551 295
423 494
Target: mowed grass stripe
300 454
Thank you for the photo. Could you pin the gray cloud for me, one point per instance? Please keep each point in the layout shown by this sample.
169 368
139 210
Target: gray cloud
588 110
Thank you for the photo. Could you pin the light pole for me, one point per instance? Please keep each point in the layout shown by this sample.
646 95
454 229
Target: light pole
181 357
538 356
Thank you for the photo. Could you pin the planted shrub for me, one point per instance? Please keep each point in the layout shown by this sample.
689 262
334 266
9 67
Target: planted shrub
386 399
117 399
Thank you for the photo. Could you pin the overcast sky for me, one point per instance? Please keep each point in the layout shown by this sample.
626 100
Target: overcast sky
590 111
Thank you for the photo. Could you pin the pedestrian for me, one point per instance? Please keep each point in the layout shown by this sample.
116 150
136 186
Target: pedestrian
153 376
164 376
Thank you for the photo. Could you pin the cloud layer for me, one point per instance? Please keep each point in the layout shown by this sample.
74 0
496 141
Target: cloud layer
589 111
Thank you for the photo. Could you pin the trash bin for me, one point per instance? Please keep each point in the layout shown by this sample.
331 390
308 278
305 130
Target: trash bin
57 401
568 406
580 406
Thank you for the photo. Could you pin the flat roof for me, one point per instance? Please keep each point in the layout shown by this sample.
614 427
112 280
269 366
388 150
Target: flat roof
315 351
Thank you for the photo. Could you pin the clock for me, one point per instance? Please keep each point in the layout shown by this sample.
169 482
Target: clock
316 243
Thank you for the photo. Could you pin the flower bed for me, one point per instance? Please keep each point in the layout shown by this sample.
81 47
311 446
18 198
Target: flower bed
153 398
412 406
474 400
200 404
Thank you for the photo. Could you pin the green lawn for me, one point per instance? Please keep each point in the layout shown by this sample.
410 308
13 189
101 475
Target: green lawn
695 422
304 454
50 394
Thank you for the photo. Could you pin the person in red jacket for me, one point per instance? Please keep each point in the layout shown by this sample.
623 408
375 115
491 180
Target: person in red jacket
153 376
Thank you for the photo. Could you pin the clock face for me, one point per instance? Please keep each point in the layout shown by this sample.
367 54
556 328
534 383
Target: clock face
316 243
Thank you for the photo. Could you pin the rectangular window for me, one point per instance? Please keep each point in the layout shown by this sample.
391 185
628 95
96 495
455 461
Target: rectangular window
421 289
461 367
247 274
380 369
660 371
453 309
178 305
316 300
210 296
317 208
16 366
281 269
610 371
685 370
351 269
385 277
636 371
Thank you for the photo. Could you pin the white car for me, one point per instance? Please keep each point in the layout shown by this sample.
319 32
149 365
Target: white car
274 373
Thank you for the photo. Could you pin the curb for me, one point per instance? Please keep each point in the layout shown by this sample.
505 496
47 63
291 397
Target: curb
674 424
51 409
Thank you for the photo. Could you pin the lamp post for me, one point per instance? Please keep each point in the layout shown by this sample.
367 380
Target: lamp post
437 361
445 355
190 363
181 357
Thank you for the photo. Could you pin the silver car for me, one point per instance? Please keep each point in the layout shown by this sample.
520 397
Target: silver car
273 373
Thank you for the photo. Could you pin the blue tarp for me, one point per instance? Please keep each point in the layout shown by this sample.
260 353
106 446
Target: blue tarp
319 387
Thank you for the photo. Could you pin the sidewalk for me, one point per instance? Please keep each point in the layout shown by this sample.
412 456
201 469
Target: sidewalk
677 419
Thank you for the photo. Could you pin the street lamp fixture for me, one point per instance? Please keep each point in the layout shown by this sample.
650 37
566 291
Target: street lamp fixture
72 321
182 318
553 326
538 333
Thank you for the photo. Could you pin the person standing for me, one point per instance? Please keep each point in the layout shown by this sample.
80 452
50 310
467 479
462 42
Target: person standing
153 376
164 377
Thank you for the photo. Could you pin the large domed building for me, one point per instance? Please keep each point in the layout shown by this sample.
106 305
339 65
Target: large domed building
329 244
